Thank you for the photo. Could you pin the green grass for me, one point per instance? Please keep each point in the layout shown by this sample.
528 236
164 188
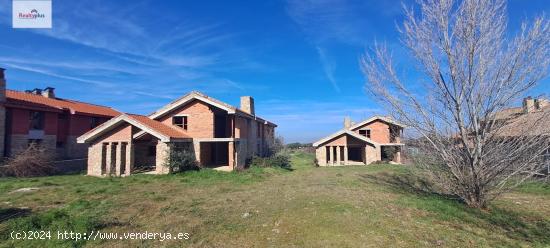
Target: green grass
377 205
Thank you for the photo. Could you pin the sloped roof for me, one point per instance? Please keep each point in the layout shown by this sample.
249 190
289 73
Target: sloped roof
377 117
195 95
532 123
343 132
158 129
508 113
23 99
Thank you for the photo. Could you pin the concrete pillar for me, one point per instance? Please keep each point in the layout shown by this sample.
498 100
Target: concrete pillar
231 154
330 155
129 159
108 158
118 158
345 155
338 151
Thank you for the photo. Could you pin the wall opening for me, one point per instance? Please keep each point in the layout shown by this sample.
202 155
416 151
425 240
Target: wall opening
103 158
123 146
214 154
354 154
145 154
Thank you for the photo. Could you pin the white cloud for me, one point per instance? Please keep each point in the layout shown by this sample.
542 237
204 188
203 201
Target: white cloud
329 66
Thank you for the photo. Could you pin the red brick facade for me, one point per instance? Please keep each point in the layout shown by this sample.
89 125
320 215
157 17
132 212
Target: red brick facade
62 121
219 135
375 139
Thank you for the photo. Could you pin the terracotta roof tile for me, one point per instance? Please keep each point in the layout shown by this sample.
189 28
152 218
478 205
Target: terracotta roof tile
158 126
27 99
532 123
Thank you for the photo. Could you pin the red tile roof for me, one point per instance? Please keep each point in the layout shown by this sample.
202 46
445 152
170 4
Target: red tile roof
18 98
159 127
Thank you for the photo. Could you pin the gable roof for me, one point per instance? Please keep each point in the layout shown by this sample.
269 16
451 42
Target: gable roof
23 99
377 117
195 95
342 132
158 129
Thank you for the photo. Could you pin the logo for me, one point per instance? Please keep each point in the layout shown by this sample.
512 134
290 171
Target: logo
31 15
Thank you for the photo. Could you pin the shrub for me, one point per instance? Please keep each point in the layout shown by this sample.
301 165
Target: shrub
389 152
181 160
33 161
281 160
277 146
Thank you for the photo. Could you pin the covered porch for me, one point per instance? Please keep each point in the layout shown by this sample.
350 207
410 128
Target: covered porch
391 152
130 144
218 153
346 148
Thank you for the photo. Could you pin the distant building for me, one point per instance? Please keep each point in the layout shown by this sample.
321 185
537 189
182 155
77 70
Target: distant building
38 116
375 139
530 120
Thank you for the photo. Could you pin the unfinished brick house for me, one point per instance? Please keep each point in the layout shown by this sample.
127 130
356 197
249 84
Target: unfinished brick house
533 118
38 116
375 139
219 135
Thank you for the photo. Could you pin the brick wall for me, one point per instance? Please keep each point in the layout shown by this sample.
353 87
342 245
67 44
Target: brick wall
200 120
380 131
121 133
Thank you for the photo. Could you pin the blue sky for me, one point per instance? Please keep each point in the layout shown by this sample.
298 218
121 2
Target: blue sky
298 58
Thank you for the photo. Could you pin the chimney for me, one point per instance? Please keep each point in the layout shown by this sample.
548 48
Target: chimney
347 122
2 112
541 103
2 85
36 91
48 92
247 104
528 105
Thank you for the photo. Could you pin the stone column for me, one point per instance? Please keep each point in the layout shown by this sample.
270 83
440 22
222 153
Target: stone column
338 151
95 159
398 155
365 154
163 152
231 154
330 155
108 158
197 150
129 158
345 155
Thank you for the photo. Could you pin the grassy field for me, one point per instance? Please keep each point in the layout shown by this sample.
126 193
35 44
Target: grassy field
358 206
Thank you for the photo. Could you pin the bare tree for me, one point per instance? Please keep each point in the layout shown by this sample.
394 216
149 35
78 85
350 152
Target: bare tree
470 72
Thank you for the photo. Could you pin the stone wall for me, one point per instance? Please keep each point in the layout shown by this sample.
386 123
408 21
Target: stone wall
74 150
95 159
321 155
163 152
20 142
